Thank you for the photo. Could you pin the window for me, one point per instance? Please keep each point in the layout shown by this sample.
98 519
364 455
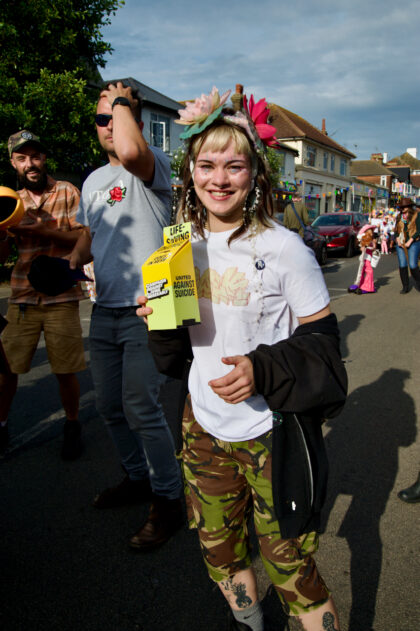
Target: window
160 131
310 156
332 163
325 160
343 167
383 180
333 220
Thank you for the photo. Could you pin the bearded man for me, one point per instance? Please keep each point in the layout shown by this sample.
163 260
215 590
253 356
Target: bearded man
48 227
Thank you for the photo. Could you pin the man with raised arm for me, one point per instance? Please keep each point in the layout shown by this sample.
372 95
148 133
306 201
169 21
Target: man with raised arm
124 206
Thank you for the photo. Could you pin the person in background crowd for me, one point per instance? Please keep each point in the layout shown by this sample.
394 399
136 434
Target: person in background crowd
364 283
48 228
391 232
383 235
408 243
290 220
124 206
262 296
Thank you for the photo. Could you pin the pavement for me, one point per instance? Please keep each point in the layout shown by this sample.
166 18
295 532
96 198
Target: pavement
66 566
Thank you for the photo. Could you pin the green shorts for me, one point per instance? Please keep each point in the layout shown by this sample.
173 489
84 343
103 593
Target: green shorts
225 484
60 323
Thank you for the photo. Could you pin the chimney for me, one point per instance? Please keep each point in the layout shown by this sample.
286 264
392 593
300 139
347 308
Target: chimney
377 157
238 97
323 129
385 158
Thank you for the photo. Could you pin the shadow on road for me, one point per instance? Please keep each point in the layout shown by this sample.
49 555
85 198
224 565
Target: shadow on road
348 325
327 269
382 282
363 448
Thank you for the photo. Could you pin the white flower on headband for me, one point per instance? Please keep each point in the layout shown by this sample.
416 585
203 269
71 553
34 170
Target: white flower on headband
197 112
240 119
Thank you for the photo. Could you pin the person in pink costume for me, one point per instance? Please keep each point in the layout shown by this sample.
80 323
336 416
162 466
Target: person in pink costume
367 245
364 283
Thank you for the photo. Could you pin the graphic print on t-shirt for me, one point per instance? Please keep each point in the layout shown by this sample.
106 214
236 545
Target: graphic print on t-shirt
231 288
116 195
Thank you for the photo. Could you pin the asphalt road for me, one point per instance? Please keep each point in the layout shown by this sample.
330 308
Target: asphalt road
66 566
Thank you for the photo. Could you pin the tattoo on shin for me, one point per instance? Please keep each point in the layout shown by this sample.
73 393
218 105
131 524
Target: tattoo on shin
328 622
239 591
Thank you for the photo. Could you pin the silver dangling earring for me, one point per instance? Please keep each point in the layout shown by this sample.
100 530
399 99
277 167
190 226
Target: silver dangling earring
188 203
175 203
193 210
249 211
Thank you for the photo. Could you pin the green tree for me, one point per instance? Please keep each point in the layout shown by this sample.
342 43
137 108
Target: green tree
50 52
275 162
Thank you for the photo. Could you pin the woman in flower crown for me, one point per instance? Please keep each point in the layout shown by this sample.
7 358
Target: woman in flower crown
260 381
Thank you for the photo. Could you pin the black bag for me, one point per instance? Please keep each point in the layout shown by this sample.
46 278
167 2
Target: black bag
52 275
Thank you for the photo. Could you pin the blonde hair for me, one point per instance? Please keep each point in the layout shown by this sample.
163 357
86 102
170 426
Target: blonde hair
217 138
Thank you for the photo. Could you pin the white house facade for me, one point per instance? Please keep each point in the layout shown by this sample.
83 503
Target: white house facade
322 168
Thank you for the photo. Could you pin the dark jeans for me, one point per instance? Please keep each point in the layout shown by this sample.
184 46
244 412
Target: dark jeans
413 253
127 386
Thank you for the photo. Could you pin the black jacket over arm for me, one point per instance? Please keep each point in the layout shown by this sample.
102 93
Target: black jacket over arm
303 381
171 351
303 373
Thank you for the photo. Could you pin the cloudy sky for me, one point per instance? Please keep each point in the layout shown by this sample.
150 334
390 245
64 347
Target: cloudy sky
353 62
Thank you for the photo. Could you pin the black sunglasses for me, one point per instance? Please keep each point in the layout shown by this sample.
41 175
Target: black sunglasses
102 120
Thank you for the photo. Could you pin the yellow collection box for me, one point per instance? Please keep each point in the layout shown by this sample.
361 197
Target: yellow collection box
11 208
169 281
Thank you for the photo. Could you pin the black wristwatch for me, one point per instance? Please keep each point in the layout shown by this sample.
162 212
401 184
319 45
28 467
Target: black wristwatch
121 100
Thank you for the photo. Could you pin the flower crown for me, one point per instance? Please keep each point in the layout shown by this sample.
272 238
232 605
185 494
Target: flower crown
203 111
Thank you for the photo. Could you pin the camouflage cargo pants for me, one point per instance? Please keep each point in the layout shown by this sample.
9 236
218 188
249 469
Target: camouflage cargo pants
225 484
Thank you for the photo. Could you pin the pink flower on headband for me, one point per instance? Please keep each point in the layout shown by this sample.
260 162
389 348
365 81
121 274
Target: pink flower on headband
202 108
259 113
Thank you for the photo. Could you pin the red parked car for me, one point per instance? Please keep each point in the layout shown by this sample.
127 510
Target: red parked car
340 229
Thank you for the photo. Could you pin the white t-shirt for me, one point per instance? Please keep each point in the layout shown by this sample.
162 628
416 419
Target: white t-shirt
249 293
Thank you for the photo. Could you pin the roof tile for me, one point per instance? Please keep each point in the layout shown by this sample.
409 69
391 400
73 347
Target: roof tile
368 167
290 125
